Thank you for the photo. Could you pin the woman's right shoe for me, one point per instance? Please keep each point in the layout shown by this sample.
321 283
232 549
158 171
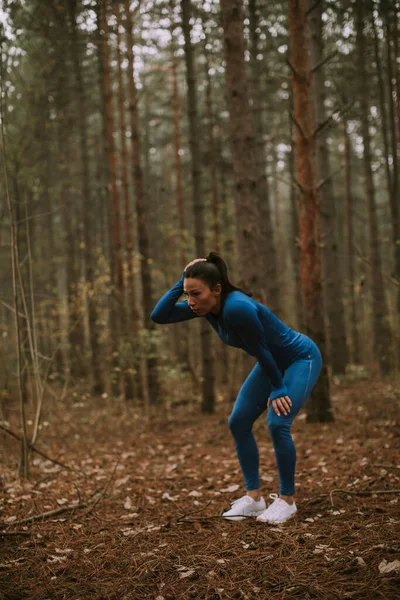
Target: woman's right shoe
245 507
278 512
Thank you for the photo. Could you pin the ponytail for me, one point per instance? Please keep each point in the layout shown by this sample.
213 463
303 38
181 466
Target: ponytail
218 273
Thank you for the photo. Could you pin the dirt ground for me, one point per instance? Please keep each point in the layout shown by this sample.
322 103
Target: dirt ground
150 493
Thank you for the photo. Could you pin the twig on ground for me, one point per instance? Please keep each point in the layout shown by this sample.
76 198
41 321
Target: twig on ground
49 513
103 492
34 449
362 493
27 533
192 512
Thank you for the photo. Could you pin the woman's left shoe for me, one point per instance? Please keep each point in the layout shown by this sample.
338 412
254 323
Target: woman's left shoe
277 512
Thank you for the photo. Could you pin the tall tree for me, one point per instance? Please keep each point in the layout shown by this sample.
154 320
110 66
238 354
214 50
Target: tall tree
307 202
391 24
267 246
331 274
354 338
380 316
86 196
243 147
142 216
116 268
207 362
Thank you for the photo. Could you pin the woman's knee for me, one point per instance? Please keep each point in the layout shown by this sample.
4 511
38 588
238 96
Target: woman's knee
238 423
277 426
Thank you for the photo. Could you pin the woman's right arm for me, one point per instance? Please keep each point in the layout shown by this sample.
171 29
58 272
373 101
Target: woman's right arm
168 310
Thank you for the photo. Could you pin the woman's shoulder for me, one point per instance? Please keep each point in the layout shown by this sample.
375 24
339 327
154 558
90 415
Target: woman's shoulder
238 303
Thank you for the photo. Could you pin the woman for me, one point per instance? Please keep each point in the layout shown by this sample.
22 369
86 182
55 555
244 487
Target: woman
288 367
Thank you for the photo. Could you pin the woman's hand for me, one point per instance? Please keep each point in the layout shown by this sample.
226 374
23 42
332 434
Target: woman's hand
194 261
280 405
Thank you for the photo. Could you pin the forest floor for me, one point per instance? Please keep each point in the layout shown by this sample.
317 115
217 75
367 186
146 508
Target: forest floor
151 492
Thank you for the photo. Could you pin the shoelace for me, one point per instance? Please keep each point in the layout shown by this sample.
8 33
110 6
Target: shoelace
242 500
275 507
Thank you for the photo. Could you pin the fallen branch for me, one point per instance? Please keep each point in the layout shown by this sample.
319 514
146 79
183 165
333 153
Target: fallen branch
49 513
362 493
103 492
387 466
28 533
182 517
34 449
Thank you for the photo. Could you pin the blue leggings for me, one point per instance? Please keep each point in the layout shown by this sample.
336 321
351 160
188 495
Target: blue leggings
300 378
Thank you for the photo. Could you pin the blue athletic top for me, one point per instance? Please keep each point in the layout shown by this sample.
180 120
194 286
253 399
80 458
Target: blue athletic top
247 324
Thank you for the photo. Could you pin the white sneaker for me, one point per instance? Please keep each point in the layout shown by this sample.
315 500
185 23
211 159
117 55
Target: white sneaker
277 512
244 507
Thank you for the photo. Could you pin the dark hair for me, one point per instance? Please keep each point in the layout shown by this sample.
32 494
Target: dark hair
212 271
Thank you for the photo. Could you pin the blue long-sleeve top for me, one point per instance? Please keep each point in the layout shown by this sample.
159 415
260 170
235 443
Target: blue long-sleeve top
243 323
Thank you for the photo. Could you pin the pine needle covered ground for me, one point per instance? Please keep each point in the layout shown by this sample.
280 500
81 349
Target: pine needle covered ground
150 494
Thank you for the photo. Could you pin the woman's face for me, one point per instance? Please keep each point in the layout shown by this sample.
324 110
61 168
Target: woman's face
200 298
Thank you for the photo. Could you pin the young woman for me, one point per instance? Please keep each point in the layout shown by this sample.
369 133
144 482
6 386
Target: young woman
288 367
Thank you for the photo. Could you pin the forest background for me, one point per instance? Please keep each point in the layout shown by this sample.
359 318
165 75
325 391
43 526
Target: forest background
135 137
138 136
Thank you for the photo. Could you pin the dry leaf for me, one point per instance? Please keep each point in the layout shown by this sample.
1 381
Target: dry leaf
385 567
185 574
128 503
166 496
231 488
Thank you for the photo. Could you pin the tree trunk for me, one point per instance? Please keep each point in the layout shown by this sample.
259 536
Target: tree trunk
307 201
353 319
131 297
391 32
294 247
181 339
331 273
267 246
212 161
381 326
244 150
208 394
116 299
142 221
96 381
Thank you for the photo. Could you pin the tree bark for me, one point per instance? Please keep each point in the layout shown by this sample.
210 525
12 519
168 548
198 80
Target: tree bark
212 161
307 202
244 150
207 362
142 216
391 33
267 246
130 298
350 250
294 247
86 198
116 307
381 327
331 273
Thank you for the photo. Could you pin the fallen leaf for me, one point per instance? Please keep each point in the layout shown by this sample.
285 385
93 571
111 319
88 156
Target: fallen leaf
62 501
231 488
385 567
361 562
128 503
185 574
166 496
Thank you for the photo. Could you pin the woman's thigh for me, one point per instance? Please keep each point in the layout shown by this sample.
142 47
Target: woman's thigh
300 379
253 396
